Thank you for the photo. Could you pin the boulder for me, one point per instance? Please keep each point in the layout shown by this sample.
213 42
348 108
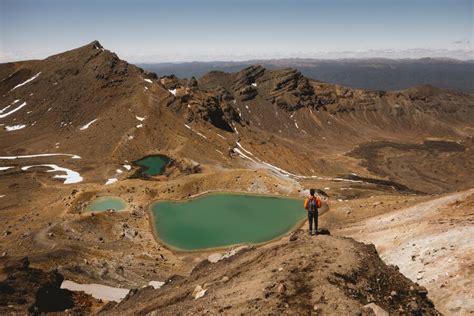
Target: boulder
374 309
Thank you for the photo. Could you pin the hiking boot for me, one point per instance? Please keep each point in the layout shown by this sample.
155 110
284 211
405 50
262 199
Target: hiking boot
310 232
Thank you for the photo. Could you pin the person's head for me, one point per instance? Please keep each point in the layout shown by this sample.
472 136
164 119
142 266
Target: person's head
311 192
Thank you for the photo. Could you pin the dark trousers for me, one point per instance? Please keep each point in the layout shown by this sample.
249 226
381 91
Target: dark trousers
313 216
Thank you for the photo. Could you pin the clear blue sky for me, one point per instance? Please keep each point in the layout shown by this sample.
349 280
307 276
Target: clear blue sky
178 30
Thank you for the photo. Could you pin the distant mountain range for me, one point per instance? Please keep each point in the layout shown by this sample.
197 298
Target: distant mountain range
372 74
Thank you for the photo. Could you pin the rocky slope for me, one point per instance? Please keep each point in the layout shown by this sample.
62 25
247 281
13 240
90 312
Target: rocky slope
301 275
430 242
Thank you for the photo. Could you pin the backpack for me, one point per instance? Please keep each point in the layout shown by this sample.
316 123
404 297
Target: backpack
314 204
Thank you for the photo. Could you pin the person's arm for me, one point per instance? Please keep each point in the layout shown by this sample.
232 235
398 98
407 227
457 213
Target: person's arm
306 203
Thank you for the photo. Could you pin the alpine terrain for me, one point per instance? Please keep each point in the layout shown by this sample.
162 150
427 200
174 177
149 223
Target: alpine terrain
394 170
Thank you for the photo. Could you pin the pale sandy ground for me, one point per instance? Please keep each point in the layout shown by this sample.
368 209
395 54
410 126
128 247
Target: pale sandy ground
432 244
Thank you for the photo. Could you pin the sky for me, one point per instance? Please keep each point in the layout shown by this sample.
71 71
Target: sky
205 30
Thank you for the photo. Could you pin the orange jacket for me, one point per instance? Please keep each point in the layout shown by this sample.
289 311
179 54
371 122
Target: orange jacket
306 202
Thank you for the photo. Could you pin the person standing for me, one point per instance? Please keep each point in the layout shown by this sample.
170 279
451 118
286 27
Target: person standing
312 204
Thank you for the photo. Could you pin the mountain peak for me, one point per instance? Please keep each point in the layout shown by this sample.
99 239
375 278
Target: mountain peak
95 44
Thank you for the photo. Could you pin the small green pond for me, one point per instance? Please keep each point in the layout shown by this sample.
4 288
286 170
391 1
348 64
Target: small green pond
105 203
153 165
224 219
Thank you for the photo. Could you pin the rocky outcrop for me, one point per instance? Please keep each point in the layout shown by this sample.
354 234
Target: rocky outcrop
245 81
33 291
221 114
291 90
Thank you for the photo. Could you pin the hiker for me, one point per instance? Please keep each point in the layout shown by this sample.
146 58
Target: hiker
312 204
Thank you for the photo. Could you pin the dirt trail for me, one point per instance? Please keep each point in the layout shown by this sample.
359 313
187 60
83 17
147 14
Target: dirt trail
431 243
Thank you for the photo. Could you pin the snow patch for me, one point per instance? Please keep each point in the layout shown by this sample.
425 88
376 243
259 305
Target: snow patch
173 92
189 127
148 80
39 155
220 136
156 284
128 167
203 136
6 168
216 257
238 151
248 152
98 291
141 119
119 171
71 176
111 180
87 125
254 84
29 80
199 292
14 127
12 111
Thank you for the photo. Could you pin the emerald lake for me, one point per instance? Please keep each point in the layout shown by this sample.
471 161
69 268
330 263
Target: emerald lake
153 165
105 203
224 219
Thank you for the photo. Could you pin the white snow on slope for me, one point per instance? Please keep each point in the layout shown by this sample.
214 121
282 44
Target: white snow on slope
128 167
148 80
190 128
98 291
14 127
235 128
12 111
39 155
203 136
238 151
119 171
216 257
139 126
254 84
5 168
248 152
156 284
281 171
173 92
111 180
23 83
220 136
87 125
71 176
8 106
141 119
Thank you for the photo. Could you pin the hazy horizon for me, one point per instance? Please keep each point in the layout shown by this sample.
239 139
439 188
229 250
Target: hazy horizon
146 31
